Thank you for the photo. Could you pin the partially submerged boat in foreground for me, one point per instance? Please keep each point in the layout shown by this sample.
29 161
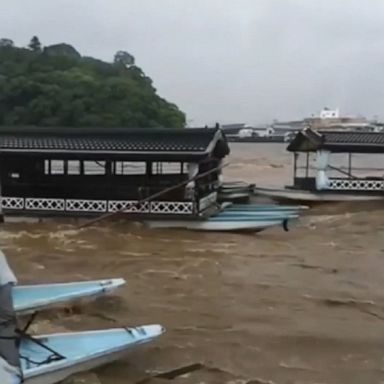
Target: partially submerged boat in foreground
32 298
317 180
49 359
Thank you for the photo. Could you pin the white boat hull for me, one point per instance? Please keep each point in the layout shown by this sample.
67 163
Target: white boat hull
81 351
62 374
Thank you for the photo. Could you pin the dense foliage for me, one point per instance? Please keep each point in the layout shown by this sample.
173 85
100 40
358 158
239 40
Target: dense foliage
56 86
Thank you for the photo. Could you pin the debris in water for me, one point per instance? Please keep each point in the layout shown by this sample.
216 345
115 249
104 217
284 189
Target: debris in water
174 373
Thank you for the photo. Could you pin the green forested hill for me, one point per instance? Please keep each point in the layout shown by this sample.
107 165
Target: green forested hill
56 86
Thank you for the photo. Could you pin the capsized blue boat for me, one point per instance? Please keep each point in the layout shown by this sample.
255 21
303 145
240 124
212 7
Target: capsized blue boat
264 207
263 213
62 355
31 298
248 218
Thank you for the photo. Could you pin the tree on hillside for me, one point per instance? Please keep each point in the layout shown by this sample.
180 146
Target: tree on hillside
62 50
35 45
6 43
125 58
59 87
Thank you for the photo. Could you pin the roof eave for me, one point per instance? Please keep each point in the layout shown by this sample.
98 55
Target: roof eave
176 156
353 148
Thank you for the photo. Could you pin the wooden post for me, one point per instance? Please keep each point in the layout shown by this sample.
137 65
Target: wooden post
1 201
307 166
108 167
47 167
350 164
148 168
295 155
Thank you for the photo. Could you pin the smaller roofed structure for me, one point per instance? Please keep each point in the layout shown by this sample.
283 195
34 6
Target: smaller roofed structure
343 142
350 174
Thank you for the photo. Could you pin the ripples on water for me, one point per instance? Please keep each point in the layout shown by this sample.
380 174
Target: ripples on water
247 306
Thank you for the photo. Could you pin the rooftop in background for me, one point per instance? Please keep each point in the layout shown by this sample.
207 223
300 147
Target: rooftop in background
143 143
360 142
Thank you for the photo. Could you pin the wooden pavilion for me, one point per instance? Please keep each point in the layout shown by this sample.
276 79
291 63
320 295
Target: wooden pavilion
92 171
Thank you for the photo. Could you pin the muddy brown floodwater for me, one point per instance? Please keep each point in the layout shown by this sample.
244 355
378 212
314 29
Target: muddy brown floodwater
305 306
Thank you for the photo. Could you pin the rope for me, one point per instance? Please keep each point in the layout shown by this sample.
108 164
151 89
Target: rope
22 334
155 195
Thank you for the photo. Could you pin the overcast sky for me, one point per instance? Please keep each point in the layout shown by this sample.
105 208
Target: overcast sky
228 60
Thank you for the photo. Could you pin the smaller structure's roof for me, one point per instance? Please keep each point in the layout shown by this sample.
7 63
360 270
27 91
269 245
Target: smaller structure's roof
337 141
144 143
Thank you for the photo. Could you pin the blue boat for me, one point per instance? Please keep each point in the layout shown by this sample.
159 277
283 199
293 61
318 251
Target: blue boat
249 218
264 207
264 213
32 298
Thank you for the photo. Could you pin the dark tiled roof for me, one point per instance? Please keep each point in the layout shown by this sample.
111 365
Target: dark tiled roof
195 142
360 142
366 138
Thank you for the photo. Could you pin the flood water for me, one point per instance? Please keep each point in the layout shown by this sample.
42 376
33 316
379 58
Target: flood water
305 306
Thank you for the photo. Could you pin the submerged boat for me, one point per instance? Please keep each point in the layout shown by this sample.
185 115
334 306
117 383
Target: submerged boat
31 298
51 359
237 218
263 207
227 224
258 213
317 180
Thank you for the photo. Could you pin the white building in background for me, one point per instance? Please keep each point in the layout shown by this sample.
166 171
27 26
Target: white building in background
245 130
327 113
249 131
264 131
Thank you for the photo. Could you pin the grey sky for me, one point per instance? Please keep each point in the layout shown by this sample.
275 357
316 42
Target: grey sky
228 60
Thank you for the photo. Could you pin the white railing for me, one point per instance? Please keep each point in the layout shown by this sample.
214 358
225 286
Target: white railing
12 203
43 204
356 185
97 206
129 206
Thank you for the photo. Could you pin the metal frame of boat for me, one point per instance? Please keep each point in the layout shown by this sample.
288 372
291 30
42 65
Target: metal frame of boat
93 171
320 185
94 355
